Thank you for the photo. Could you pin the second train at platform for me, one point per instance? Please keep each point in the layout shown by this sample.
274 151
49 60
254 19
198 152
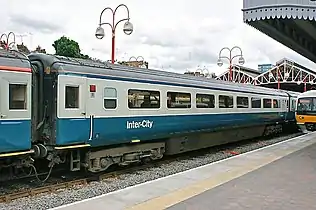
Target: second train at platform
91 115
306 111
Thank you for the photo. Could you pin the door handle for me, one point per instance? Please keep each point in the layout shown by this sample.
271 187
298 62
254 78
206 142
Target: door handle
3 116
83 113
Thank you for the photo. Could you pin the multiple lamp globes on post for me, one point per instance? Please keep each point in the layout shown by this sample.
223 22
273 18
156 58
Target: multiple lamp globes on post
127 29
5 44
241 61
230 58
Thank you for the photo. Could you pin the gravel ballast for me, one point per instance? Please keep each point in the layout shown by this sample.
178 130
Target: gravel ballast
93 189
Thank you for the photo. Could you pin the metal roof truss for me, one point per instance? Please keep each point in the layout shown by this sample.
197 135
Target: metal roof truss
238 76
285 73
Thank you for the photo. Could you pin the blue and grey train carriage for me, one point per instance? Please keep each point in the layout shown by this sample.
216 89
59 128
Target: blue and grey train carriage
92 114
15 105
105 114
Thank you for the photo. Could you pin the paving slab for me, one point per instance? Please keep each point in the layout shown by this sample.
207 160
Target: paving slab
288 183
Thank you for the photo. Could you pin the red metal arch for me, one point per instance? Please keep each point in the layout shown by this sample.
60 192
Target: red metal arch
286 72
238 76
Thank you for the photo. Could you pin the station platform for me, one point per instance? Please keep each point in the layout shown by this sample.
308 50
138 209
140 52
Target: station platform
280 176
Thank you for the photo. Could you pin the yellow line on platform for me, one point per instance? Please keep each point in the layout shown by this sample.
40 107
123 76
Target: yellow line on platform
180 195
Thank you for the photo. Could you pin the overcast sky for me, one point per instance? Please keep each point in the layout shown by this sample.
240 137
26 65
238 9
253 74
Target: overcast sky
171 34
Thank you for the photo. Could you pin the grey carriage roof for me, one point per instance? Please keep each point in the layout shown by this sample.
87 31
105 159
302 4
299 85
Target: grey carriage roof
83 66
14 58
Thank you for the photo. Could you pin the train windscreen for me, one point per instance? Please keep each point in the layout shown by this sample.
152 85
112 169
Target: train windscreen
306 106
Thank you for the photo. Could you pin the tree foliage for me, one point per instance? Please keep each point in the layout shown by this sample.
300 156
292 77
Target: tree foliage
22 48
2 44
68 48
40 49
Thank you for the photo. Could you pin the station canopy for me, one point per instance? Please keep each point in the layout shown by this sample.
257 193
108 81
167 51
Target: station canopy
241 74
286 75
290 22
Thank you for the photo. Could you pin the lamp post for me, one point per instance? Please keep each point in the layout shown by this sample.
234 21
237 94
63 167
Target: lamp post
127 28
21 37
139 59
136 58
6 38
204 72
241 59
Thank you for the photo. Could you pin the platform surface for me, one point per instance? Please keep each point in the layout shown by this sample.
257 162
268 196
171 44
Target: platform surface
281 176
288 183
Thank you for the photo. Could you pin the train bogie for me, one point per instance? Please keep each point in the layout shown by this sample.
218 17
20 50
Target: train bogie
101 159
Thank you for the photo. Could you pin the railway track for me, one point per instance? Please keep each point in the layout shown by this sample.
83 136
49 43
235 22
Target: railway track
80 181
54 187
40 190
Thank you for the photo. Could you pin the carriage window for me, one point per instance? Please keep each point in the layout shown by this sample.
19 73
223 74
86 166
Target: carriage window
205 101
242 102
72 97
225 101
293 105
143 99
267 103
109 98
276 103
255 103
178 100
17 96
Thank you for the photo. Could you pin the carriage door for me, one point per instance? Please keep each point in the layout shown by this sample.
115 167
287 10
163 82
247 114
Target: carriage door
72 97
